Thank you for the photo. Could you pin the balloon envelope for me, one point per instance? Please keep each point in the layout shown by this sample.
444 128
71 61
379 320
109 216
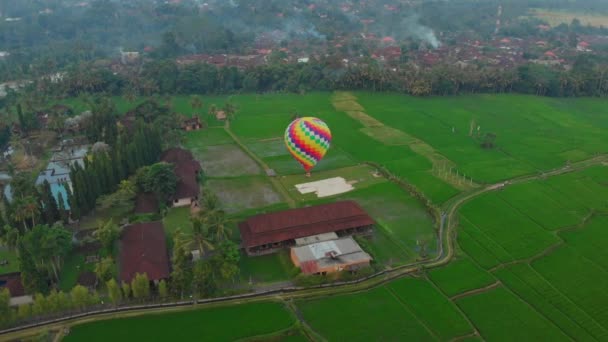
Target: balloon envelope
307 140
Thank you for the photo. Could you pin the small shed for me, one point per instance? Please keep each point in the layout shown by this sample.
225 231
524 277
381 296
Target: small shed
221 115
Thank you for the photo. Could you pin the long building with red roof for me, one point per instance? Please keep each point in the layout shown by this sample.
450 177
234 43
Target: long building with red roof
268 233
143 250
187 170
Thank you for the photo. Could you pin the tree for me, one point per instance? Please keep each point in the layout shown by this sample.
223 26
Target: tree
107 234
181 275
114 292
57 301
24 311
126 290
140 286
9 237
218 226
48 246
26 208
41 305
34 280
158 178
50 209
488 141
230 110
203 280
121 201
80 297
64 214
6 312
196 102
200 236
104 269
162 289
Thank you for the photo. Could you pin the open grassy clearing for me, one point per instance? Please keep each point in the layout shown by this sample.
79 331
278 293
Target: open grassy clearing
360 176
73 265
556 17
400 217
177 218
460 276
226 161
501 316
238 194
11 257
266 268
374 315
431 307
198 140
209 324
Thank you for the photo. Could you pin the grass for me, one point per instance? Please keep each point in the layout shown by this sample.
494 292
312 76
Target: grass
177 218
238 194
361 176
501 316
428 304
211 324
198 140
460 276
72 267
266 268
13 261
369 316
226 161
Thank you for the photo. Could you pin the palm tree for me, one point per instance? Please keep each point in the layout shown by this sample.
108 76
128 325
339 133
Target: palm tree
200 237
196 102
212 110
218 226
22 210
10 237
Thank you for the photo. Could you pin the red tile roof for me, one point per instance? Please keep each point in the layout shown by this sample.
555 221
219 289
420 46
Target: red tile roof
146 203
12 282
143 250
296 223
186 170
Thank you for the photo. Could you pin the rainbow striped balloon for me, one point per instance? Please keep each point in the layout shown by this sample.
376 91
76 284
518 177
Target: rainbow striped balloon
307 140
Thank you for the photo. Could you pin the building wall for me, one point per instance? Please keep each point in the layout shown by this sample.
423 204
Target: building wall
182 202
294 258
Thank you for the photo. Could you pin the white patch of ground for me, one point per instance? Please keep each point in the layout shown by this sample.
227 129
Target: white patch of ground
326 187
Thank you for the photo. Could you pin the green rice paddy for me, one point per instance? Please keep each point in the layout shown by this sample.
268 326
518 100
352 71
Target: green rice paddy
531 259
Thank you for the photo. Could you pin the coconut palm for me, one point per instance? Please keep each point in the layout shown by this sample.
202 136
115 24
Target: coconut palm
196 102
200 237
218 226
26 208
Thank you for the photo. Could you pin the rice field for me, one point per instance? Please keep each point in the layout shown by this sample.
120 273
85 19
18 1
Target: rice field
210 324
460 276
531 259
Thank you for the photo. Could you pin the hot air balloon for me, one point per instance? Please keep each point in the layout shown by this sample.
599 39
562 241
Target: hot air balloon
307 139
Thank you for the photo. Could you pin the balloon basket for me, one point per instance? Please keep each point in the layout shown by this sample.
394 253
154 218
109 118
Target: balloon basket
308 174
